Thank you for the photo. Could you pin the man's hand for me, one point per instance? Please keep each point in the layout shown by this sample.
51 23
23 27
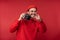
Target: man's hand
37 17
21 16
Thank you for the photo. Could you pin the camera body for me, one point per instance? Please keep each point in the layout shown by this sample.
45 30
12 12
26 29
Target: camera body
27 17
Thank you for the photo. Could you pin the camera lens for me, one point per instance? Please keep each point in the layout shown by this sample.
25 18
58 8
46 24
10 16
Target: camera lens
27 16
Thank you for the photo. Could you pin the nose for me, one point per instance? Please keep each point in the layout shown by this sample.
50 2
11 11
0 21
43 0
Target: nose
33 13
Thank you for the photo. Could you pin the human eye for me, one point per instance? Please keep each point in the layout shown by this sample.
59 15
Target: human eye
32 11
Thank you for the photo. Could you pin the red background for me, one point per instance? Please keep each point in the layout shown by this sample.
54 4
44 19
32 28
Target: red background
49 11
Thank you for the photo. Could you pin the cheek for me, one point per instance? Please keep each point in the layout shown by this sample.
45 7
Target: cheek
30 12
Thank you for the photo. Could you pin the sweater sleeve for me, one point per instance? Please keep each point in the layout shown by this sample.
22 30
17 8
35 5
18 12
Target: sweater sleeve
14 26
41 26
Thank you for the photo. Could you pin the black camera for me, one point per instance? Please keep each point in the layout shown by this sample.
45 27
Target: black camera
27 16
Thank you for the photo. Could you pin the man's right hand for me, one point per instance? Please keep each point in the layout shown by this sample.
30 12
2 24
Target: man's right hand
21 16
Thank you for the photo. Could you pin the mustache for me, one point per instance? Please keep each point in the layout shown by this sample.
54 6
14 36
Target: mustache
34 14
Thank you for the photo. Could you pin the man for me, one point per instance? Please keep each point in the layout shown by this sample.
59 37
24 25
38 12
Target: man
29 29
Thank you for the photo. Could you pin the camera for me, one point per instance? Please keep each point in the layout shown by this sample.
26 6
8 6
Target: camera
27 16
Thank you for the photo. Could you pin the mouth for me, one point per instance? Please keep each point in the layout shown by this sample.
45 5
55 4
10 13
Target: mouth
33 14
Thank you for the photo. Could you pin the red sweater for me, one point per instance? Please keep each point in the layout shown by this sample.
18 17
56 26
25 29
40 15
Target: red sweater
28 29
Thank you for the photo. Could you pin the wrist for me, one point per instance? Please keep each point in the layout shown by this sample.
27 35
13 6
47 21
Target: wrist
19 19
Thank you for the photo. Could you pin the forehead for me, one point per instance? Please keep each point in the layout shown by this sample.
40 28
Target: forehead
32 9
